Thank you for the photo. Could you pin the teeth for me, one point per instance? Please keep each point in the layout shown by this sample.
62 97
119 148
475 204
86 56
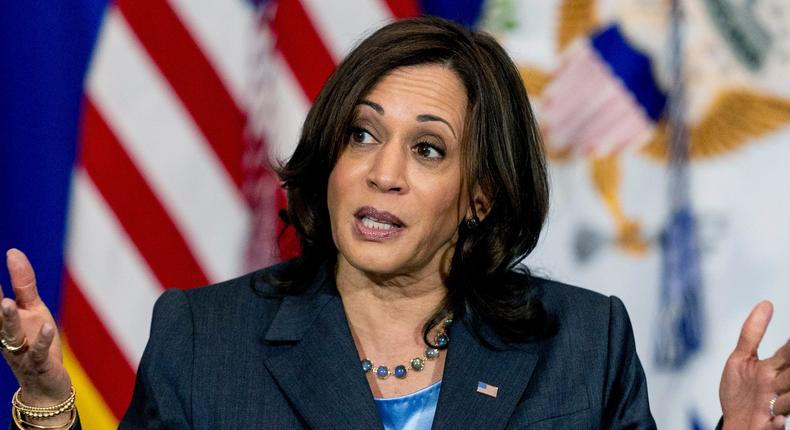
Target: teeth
370 223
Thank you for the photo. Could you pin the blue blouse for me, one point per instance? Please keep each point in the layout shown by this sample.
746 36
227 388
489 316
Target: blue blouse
410 412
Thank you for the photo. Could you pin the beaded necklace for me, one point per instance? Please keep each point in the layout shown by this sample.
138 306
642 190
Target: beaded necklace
417 363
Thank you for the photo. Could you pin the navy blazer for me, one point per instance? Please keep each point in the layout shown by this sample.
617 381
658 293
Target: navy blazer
238 355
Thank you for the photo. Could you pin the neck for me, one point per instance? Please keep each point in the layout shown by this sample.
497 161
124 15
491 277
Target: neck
388 312
386 316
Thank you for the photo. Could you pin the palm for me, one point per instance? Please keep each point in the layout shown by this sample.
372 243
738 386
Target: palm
32 321
39 367
748 384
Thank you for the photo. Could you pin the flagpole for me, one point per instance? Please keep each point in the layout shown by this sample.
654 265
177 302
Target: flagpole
680 331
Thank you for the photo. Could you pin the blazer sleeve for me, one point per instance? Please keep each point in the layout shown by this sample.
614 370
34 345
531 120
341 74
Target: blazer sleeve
162 396
626 403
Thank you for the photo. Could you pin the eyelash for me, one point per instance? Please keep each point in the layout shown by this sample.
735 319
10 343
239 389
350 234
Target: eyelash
425 145
356 131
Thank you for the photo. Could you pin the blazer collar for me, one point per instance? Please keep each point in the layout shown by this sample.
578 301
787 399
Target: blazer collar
469 363
320 372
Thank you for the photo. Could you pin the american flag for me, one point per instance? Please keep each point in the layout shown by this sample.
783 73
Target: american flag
487 389
602 99
184 104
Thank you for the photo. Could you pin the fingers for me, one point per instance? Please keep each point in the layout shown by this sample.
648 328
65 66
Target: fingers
781 383
781 358
754 328
23 279
39 351
1 309
782 405
12 326
2 299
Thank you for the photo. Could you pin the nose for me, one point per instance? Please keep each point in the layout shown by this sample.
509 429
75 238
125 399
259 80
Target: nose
388 169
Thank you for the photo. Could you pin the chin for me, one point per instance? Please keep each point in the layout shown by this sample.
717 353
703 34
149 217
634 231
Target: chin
378 263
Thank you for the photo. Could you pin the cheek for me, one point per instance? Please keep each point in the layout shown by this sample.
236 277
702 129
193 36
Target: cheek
331 194
334 192
341 188
333 205
336 184
447 207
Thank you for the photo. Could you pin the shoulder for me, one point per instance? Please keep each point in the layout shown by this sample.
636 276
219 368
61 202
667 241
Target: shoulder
591 351
257 283
588 327
245 287
224 304
556 293
576 308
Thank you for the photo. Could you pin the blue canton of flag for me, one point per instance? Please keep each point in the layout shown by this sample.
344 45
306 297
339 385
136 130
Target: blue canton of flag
609 80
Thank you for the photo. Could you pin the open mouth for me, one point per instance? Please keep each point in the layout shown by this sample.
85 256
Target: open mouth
373 218
377 225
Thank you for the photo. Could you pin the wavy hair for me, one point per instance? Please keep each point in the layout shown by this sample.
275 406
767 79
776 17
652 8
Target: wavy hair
501 152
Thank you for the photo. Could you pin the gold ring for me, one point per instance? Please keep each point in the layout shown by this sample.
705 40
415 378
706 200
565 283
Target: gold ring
6 344
771 405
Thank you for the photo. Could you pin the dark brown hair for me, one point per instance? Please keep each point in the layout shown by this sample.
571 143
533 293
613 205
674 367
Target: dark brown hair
501 152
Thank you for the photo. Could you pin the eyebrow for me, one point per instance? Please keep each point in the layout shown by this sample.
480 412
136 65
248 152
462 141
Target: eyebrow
421 118
428 117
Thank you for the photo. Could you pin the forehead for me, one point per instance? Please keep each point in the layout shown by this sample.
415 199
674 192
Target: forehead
431 88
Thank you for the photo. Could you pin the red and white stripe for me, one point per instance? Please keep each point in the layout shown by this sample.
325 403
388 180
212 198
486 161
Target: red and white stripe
185 104
587 111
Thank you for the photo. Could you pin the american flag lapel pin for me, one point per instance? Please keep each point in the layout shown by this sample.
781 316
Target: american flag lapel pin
487 389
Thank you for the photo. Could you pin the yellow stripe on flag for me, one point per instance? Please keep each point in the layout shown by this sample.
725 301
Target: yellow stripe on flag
94 412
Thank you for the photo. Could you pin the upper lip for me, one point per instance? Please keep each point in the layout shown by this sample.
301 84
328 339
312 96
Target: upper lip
381 216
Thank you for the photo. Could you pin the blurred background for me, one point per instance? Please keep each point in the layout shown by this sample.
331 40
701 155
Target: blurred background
134 139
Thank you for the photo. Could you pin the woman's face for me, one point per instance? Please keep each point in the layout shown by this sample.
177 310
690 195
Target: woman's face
395 195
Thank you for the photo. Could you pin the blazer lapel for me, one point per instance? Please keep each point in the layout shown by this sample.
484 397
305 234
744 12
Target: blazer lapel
320 374
469 363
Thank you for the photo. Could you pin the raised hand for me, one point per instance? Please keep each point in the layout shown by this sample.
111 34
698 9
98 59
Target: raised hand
754 393
30 341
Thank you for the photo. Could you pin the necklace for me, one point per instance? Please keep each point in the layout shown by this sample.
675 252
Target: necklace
417 363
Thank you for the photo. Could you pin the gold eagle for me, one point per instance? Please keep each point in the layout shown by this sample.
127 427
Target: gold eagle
735 117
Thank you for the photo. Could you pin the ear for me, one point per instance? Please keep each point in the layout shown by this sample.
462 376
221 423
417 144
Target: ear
481 202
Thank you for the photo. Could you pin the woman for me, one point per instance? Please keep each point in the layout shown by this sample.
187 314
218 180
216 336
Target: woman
417 186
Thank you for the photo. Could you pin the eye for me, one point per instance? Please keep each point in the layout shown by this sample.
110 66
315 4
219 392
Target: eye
360 135
428 151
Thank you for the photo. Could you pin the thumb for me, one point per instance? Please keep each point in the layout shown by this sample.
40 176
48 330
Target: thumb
754 328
